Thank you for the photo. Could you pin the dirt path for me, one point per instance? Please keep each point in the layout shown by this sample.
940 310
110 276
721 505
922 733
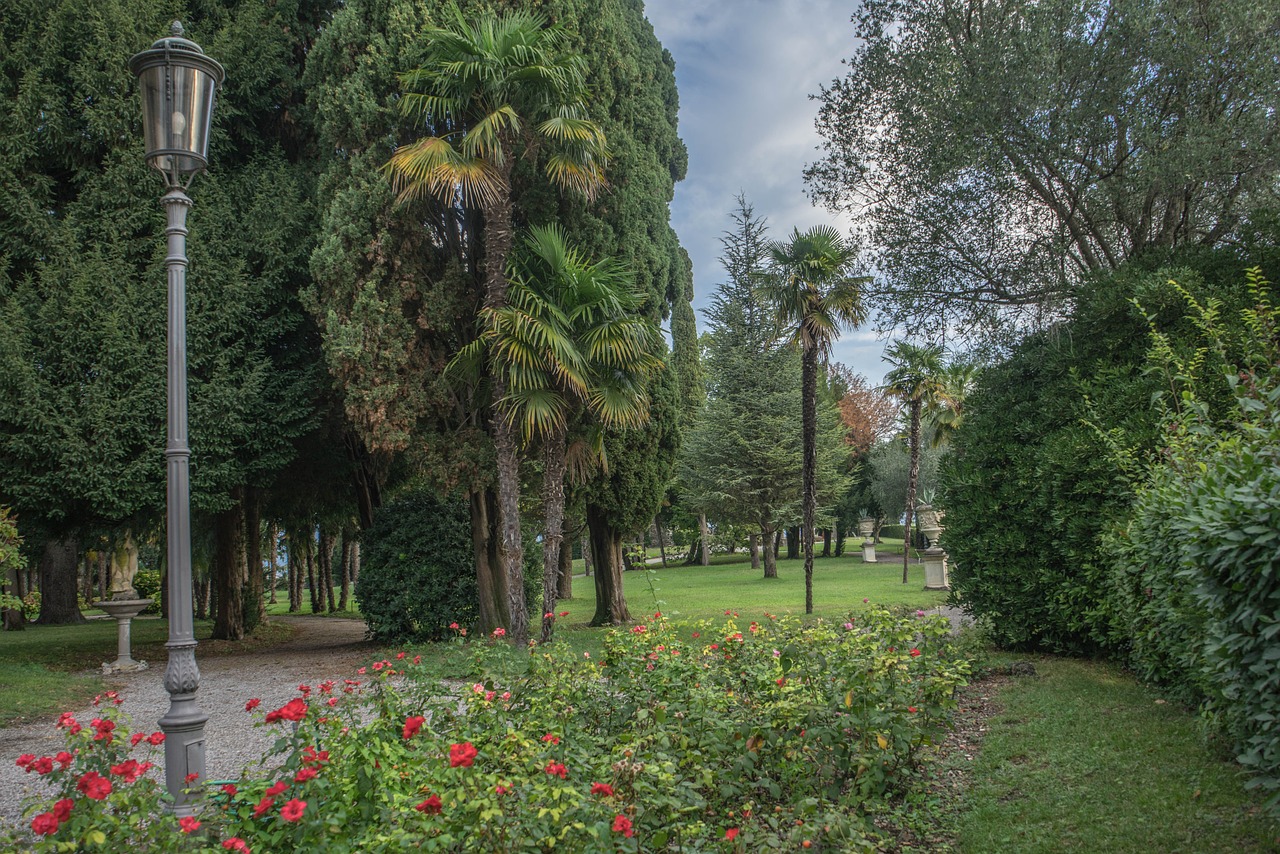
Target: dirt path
322 648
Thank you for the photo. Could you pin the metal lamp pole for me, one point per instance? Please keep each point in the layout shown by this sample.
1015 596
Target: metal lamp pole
178 83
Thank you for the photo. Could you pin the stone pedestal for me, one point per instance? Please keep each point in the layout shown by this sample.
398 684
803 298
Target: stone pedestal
869 551
935 569
866 527
124 610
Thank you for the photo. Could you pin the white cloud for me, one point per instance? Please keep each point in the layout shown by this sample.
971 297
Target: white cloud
745 71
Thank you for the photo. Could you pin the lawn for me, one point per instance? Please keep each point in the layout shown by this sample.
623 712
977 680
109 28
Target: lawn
1084 759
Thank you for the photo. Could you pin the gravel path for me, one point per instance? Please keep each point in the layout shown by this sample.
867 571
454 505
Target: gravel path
323 648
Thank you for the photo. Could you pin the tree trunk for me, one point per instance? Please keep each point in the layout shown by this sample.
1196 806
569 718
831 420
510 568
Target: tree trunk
325 566
777 543
491 581
348 540
840 534
273 538
913 475
809 424
104 574
565 590
553 467
227 572
510 547
313 586
770 553
753 544
254 609
59 602
706 539
367 489
355 561
294 571
86 583
662 544
826 542
606 547
586 554
793 542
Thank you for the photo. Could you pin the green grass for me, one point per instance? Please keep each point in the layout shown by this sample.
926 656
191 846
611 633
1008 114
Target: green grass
1083 759
280 608
29 691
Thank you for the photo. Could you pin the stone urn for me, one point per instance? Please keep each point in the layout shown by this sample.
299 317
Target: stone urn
866 527
935 559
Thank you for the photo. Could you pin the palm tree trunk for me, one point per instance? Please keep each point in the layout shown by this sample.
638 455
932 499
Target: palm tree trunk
913 476
809 424
553 507
497 248
606 549
491 581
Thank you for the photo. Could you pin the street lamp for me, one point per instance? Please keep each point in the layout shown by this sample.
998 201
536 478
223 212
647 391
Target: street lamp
178 83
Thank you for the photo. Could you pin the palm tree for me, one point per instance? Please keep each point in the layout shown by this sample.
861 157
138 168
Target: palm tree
916 381
813 295
568 341
489 92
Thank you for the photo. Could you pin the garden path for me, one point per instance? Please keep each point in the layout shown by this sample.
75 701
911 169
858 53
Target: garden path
322 648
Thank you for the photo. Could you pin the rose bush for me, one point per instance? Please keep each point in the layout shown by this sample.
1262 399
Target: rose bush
714 737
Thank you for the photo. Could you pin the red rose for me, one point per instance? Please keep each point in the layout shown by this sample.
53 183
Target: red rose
136 738
62 809
731 834
63 759
311 756
25 760
602 789
462 755
552 739
264 806
294 710
622 825
156 738
94 786
555 769
44 824
42 766
230 790
189 824
190 778
130 770
252 704
277 789
293 810
915 653
431 806
235 843
305 774
412 724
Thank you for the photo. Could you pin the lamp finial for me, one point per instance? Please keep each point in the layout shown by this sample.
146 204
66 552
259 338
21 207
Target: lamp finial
175 29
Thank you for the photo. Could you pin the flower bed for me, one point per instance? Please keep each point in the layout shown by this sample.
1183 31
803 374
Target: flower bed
724 737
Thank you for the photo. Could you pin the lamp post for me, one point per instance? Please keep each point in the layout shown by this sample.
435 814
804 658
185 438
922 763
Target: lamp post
178 83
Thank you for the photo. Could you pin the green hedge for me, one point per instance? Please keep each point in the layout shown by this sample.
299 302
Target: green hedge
418 572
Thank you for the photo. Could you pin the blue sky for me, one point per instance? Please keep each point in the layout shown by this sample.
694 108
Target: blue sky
745 70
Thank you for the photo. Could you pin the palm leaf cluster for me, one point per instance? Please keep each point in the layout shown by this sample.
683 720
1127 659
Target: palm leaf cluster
488 90
568 337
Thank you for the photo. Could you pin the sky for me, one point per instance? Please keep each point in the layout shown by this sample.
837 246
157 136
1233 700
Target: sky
745 70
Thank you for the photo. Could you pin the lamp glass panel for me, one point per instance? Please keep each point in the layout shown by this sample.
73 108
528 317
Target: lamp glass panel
176 129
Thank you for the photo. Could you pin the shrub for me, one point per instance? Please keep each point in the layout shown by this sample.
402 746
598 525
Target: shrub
417 572
147 585
418 569
717 738
1197 569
